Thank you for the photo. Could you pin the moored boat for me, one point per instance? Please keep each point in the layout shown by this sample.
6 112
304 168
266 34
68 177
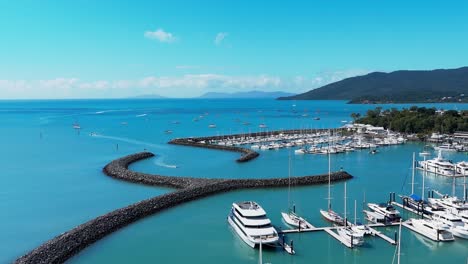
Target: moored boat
251 223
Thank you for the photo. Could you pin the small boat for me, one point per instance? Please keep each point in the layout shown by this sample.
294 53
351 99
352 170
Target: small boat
252 225
316 118
374 151
262 126
76 126
212 126
168 132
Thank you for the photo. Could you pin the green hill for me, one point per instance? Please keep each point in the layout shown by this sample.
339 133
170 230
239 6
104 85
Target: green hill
449 85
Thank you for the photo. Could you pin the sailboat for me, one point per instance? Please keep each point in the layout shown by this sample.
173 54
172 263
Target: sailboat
355 238
290 217
414 201
329 214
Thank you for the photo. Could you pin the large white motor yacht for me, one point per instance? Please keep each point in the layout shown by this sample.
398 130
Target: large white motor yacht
438 165
434 230
251 223
455 223
388 211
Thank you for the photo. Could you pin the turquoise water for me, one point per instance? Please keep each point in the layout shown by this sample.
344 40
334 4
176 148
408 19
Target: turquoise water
52 180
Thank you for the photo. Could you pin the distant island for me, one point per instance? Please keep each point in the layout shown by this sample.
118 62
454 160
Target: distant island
436 86
415 120
249 94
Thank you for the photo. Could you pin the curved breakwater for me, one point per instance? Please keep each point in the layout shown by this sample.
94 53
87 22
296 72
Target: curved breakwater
64 246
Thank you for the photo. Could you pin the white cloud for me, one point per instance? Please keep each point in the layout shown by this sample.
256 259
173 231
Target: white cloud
160 35
188 85
220 37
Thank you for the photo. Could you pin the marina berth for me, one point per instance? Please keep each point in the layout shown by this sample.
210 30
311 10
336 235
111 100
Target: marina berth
251 223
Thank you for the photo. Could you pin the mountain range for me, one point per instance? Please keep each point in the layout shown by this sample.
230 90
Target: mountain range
406 86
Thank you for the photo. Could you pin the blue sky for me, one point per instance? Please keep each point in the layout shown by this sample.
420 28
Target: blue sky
89 49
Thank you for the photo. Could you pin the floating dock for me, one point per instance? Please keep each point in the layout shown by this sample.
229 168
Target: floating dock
339 238
411 210
330 230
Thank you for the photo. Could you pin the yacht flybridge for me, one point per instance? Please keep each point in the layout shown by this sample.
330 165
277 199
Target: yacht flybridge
438 165
385 210
251 223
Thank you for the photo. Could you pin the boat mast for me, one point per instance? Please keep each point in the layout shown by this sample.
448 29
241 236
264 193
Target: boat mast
399 244
329 179
412 175
355 205
464 186
345 219
289 180
260 260
424 174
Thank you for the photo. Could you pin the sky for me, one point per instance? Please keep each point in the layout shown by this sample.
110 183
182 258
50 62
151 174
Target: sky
115 49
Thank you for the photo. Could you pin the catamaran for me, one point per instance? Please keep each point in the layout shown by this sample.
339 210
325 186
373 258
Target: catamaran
251 223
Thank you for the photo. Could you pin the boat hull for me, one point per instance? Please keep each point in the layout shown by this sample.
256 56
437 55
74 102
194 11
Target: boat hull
247 239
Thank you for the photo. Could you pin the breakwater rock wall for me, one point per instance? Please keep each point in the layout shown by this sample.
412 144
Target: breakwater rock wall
64 246
247 154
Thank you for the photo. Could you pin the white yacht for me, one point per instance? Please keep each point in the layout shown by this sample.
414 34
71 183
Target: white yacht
386 210
445 147
438 165
450 203
332 216
251 223
353 237
455 223
462 168
434 230
292 219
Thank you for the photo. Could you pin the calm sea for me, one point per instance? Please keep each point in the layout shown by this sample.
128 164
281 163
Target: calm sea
52 181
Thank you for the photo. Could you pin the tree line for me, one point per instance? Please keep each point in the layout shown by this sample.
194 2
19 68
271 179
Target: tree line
415 120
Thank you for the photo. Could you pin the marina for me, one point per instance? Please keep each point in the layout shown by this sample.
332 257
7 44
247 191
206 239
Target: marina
269 164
